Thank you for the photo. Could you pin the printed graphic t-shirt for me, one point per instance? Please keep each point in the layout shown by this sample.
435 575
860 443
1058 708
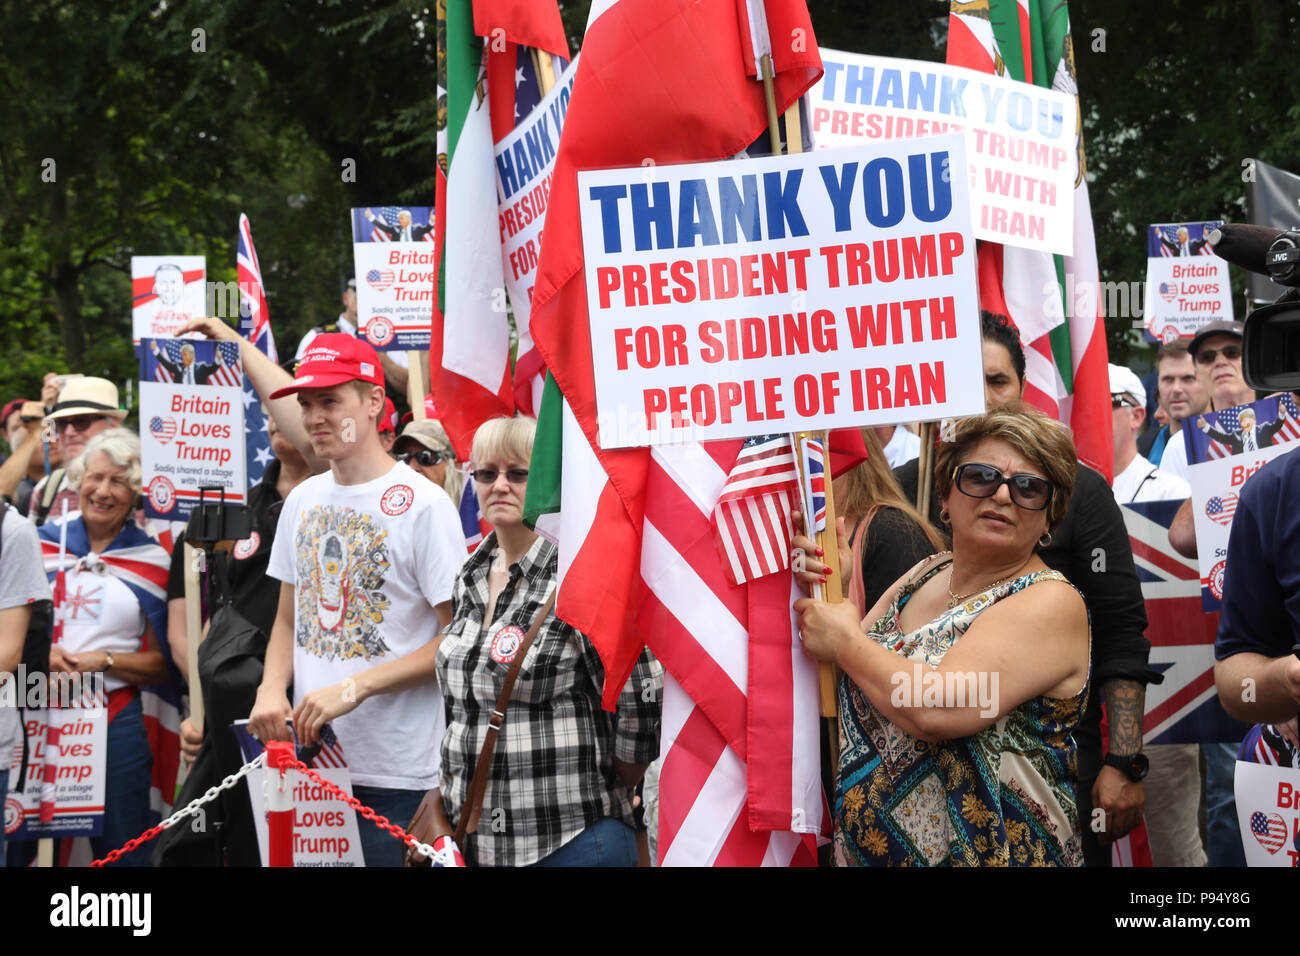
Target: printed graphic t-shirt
369 563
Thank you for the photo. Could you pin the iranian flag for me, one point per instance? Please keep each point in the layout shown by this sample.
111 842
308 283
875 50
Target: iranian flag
1053 300
671 81
469 348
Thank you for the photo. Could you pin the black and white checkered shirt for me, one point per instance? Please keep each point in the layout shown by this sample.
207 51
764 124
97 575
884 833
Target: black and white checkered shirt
553 768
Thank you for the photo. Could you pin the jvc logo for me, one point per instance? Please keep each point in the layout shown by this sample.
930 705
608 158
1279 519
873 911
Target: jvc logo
76 909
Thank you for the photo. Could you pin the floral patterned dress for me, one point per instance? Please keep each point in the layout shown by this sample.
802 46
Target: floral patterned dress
1001 797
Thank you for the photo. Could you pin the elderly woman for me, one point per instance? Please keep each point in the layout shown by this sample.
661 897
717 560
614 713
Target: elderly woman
560 787
425 447
114 619
963 683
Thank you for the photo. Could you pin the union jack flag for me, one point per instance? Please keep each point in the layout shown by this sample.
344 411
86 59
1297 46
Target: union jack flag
814 485
1184 708
255 325
751 520
471 518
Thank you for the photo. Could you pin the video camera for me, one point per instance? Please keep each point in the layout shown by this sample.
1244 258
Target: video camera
1271 344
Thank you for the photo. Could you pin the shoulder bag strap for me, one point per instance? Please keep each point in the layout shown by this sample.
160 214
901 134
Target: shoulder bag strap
474 799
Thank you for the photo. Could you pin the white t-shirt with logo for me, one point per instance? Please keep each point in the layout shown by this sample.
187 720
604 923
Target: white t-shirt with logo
368 563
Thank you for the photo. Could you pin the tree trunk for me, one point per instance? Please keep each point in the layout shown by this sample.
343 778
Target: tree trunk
65 279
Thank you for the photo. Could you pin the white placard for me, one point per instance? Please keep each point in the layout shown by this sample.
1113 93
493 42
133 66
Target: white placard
1187 285
781 294
166 291
393 249
1020 138
325 831
80 779
1268 811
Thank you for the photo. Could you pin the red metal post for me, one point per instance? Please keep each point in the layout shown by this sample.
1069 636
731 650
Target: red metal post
279 803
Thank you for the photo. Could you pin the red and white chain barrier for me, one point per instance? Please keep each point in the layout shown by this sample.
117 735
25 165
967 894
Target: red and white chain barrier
279 796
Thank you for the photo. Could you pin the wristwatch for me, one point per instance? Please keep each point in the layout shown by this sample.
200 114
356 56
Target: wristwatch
1133 766
108 661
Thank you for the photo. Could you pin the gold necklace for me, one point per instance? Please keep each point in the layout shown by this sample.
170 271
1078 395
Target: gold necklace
954 600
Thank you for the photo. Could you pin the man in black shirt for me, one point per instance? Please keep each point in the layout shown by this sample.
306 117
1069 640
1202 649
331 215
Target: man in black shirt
1091 548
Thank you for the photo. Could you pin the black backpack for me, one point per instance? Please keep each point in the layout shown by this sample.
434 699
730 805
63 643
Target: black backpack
36 648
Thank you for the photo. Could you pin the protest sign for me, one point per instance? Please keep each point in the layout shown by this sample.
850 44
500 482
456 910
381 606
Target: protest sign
525 161
392 249
1020 138
1187 284
325 831
1268 812
1223 450
79 777
166 292
191 423
1184 707
780 294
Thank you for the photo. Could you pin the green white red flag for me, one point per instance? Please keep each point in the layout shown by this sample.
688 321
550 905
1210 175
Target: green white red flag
1053 300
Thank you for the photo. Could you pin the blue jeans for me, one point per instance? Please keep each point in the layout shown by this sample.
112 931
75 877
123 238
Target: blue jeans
379 847
1222 832
607 842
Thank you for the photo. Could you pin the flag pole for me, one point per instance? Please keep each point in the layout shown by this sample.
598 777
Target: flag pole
415 390
925 470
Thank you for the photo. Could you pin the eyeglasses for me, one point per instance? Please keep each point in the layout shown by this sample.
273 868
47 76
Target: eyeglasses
488 476
1207 356
977 480
1119 401
78 423
423 457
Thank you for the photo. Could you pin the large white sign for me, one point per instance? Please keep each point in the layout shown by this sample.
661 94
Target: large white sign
1020 138
782 294
191 424
166 292
392 249
1187 285
1268 811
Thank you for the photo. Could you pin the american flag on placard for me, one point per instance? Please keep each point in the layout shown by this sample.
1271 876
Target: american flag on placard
224 370
1269 829
814 471
1220 509
388 215
163 429
471 518
1185 707
751 520
379 279
256 327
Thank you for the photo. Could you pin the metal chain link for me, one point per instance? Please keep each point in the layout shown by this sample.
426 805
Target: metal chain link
442 857
189 810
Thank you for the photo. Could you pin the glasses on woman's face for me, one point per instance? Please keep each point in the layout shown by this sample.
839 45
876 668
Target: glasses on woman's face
976 480
423 457
487 476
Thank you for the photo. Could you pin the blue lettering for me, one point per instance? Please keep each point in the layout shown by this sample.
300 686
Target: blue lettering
828 81
538 142
929 204
950 96
739 211
608 197
891 89
696 216
857 84
521 163
506 173
876 197
783 204
840 192
1050 118
645 213
992 96
920 91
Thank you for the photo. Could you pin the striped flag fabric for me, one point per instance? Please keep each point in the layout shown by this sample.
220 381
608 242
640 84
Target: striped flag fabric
740 782
254 325
471 518
751 520
1065 349
388 215
1220 509
814 472
1269 829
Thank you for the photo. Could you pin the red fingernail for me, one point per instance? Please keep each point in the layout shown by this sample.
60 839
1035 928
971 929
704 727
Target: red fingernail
820 552
823 579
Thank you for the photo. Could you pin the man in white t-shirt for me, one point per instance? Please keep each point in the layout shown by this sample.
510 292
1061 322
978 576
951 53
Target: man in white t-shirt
1136 479
367 554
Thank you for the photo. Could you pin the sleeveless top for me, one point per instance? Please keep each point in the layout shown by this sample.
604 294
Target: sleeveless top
1004 796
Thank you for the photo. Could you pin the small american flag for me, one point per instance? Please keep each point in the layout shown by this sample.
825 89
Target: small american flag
256 327
1168 291
379 279
751 521
163 429
1269 829
1221 509
331 751
814 469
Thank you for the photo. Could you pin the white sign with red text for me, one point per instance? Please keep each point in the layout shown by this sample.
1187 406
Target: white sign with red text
166 292
325 831
781 294
1020 138
392 250
1268 810
79 759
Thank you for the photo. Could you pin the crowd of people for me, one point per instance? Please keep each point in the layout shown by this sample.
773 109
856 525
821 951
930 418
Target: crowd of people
351 604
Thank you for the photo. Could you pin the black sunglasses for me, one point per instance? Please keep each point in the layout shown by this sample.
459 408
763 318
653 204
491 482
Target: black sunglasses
976 480
1207 356
1119 401
424 457
487 476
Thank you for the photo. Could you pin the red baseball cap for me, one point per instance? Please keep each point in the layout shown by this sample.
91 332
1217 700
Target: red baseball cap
331 359
388 420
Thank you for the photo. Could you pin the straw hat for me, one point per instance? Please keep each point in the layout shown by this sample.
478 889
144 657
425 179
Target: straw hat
88 396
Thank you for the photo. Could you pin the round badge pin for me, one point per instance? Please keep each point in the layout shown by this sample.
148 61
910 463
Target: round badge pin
396 500
505 643
247 547
162 494
1215 580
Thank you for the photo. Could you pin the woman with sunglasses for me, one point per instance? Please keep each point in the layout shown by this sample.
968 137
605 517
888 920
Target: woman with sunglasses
963 684
559 791
425 447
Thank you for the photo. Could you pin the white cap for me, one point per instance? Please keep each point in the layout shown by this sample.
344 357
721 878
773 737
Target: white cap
1124 382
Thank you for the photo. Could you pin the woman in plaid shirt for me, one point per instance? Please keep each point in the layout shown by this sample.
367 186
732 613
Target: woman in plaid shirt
563 772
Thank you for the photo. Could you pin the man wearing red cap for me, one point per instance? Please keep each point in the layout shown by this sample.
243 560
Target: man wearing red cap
367 554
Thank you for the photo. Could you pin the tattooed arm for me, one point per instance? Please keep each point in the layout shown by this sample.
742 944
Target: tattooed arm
1122 800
